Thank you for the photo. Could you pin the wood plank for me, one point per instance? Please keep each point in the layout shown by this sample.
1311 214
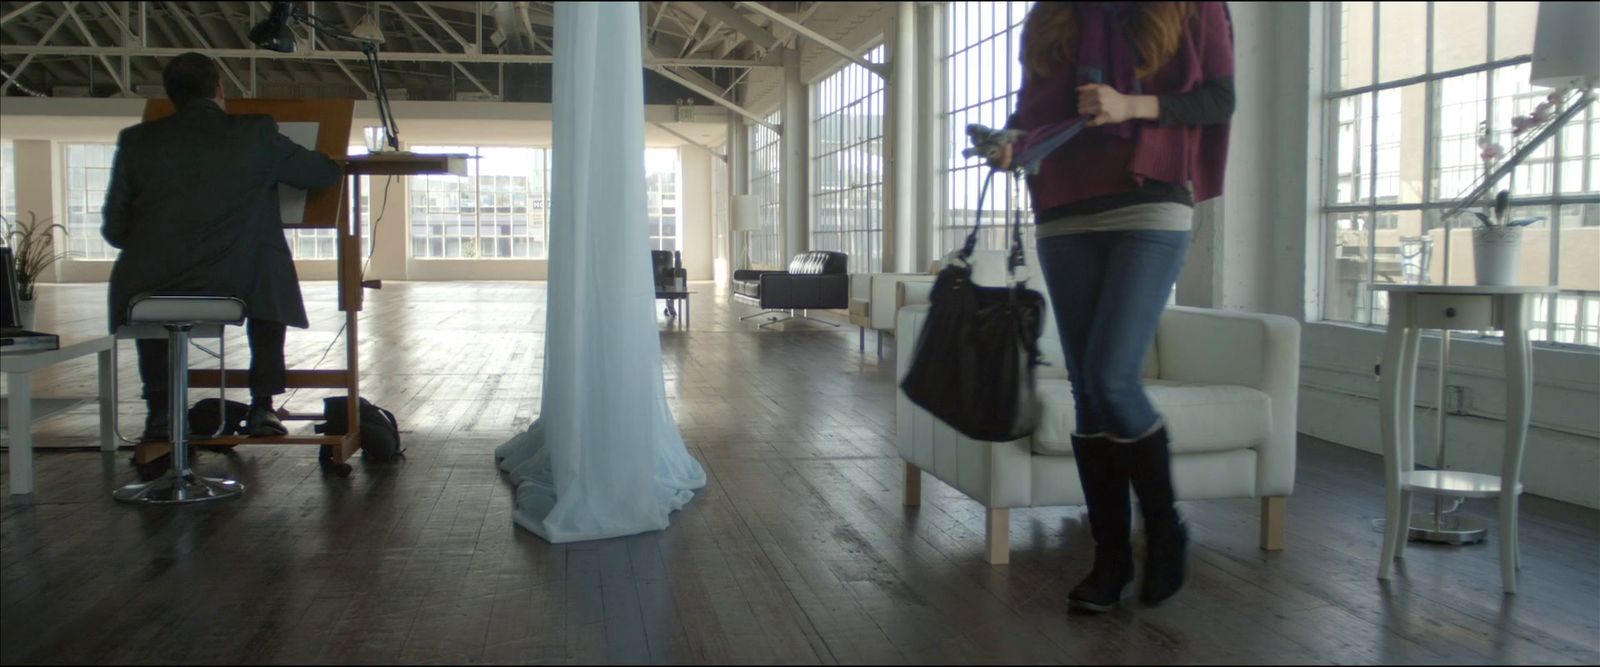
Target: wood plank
296 378
800 549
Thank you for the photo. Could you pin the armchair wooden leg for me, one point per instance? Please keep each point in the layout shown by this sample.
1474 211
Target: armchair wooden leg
997 532
913 485
1274 516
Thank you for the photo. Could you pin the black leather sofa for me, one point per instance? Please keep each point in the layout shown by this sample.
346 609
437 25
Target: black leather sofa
817 279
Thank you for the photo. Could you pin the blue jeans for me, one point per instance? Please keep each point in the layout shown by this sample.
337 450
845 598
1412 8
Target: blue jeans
1108 290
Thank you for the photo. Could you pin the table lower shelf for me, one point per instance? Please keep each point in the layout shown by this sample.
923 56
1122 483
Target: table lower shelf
145 452
1453 483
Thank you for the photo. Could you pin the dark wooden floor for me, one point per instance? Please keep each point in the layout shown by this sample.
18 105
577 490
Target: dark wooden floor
797 551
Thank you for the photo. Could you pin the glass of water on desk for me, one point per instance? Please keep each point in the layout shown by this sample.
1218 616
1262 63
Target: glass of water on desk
376 138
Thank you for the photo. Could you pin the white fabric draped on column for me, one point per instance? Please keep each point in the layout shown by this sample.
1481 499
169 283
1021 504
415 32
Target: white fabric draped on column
604 458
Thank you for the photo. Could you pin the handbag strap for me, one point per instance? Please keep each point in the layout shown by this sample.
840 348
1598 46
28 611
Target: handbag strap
1016 258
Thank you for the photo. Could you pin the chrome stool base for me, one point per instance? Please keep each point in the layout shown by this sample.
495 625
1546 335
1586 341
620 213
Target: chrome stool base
179 488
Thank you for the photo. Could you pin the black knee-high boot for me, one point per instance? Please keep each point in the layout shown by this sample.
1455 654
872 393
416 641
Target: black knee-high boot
1104 475
1167 541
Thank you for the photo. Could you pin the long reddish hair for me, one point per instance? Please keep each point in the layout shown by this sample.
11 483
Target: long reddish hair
1050 36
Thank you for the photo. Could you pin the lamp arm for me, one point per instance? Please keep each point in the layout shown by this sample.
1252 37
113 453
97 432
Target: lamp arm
369 48
1549 130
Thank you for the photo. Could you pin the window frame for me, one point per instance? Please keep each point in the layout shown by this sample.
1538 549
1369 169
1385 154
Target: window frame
1365 202
858 228
955 223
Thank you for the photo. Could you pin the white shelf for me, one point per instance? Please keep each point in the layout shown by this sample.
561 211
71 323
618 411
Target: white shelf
1453 483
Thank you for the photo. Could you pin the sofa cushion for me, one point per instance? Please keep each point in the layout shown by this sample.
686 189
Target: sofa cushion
1200 417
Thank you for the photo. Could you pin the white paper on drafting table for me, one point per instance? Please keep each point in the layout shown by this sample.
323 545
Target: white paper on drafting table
292 200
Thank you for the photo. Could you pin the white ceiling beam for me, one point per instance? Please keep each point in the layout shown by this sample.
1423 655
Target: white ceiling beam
687 43
692 142
709 91
527 24
25 8
98 52
183 22
465 46
388 56
814 36
736 20
60 21
440 48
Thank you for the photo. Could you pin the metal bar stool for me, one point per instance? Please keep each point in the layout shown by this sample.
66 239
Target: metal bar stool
179 314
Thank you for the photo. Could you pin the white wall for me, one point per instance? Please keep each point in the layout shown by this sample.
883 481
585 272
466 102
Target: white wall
1257 245
696 217
39 125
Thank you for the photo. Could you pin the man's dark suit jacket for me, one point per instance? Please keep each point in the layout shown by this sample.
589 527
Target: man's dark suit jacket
193 205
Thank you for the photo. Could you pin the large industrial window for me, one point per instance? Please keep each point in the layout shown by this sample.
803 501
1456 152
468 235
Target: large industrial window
500 209
88 172
983 41
663 183
847 165
766 155
8 181
1412 84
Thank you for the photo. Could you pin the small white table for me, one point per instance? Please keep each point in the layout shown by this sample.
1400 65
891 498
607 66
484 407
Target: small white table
18 369
1413 308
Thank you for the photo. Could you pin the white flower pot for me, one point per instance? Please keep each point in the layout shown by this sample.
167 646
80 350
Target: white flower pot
1495 251
25 313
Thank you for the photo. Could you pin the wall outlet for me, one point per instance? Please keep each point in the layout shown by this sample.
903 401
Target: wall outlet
1455 399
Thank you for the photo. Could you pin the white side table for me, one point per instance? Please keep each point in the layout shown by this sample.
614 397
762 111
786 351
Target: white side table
18 369
1413 308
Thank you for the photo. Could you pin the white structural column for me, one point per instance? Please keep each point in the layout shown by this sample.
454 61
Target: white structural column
929 167
900 142
793 171
738 150
604 458
38 186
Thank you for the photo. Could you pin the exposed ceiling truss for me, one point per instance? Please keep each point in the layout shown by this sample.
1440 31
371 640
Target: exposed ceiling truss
431 50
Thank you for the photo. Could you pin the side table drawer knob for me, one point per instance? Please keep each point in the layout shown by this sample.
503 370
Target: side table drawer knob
1449 312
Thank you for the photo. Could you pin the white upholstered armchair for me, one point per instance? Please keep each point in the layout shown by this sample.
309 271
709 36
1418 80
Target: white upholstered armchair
872 301
1226 383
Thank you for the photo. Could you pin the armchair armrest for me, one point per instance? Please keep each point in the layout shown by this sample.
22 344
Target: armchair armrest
861 286
1249 349
912 294
885 296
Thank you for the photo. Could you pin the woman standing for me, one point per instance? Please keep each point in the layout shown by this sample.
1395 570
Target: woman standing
1113 209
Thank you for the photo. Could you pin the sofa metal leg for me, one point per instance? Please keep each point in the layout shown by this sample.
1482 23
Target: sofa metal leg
1274 518
805 316
863 337
880 343
997 533
913 485
764 312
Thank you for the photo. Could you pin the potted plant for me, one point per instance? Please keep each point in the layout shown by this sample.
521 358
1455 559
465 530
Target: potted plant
33 247
1497 241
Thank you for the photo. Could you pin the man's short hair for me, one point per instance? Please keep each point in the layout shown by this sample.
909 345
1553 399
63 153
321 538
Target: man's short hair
191 76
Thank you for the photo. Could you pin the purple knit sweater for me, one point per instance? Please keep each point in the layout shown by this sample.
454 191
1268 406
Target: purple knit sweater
1097 164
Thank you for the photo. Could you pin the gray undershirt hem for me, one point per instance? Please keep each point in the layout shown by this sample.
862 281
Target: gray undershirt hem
1154 217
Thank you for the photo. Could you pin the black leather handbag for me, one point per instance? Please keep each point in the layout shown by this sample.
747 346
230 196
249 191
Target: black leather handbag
974 363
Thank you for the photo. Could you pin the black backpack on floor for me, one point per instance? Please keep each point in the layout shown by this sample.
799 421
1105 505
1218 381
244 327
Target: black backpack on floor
380 433
207 414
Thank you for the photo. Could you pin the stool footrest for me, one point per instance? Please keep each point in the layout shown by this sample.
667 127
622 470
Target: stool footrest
294 379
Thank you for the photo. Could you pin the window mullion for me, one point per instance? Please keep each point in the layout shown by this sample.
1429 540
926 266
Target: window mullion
1372 172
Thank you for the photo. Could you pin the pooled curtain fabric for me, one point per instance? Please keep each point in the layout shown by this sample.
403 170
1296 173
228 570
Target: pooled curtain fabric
604 458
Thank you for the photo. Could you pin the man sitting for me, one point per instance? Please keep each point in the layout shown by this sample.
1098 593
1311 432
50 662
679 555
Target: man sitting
193 205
